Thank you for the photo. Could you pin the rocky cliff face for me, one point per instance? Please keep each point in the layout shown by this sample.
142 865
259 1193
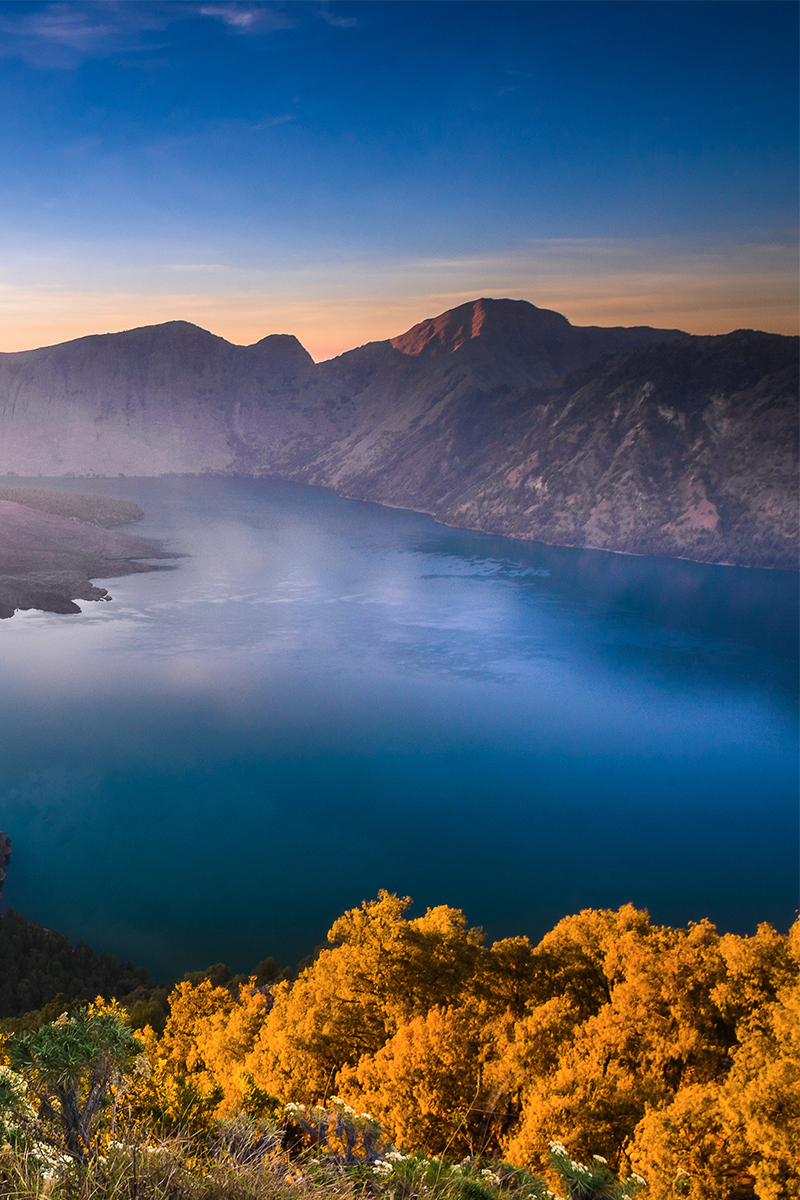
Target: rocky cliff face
497 415
161 399
688 449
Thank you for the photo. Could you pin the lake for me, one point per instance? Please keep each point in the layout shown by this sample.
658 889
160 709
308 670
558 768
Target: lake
327 697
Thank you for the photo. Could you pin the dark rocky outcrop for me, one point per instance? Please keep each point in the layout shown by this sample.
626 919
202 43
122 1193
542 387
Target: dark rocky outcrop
5 857
497 415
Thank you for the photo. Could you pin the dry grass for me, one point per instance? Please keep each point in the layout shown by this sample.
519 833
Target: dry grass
181 1168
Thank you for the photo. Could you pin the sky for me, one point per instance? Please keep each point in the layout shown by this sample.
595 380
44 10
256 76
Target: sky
342 170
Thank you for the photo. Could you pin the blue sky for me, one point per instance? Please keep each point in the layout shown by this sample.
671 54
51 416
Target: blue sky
342 170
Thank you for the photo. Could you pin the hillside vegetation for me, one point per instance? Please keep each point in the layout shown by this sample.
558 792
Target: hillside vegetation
642 1051
41 967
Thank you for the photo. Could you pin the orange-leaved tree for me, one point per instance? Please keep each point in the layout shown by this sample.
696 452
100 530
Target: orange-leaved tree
382 971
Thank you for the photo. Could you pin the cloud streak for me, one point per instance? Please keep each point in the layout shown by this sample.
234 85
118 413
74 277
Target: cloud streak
67 33
248 18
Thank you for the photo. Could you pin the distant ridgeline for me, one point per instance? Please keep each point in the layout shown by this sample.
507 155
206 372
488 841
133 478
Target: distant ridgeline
497 416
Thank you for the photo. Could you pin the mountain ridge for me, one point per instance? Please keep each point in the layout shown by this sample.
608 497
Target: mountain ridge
495 415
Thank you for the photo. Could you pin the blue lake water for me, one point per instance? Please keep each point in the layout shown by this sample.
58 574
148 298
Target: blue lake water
327 697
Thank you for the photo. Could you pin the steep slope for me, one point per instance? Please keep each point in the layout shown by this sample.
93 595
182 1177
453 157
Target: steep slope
164 398
496 415
687 450
174 398
686 447
382 394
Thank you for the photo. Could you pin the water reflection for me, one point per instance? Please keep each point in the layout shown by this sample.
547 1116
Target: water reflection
329 697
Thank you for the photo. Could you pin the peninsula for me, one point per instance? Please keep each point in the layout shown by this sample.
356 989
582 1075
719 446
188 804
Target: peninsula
52 544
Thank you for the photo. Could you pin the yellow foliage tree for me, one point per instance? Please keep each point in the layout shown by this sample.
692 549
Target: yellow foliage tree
760 1099
424 1083
382 972
685 1148
180 1089
223 1041
671 1052
644 1024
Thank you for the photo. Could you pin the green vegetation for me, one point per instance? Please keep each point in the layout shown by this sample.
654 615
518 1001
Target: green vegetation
68 1068
411 1060
97 510
41 967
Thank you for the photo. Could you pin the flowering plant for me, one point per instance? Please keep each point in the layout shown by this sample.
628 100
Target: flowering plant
593 1182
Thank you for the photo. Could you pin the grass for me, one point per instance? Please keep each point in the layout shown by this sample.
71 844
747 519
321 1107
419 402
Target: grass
183 1168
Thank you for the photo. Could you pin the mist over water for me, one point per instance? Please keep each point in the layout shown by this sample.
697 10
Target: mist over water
327 697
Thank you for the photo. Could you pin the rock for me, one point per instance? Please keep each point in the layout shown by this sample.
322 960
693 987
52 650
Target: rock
48 560
497 415
5 857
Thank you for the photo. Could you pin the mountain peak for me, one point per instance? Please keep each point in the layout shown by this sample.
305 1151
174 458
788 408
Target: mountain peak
509 321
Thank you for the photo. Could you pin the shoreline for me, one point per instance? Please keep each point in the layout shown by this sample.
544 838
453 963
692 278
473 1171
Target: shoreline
50 552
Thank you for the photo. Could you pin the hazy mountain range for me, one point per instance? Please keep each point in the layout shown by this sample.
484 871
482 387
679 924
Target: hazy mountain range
497 416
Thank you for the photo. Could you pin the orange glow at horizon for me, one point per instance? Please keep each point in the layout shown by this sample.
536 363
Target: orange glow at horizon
30 319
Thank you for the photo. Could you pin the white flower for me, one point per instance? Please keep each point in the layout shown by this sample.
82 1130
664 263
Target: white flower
599 1158
638 1179
294 1110
558 1148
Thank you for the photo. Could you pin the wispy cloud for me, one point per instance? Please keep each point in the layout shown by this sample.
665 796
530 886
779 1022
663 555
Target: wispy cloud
68 32
248 18
65 34
334 18
230 14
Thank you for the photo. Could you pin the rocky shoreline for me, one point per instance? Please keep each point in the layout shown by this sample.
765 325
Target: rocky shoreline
53 544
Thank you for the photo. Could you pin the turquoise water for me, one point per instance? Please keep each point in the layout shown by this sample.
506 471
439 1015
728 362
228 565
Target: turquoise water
326 697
